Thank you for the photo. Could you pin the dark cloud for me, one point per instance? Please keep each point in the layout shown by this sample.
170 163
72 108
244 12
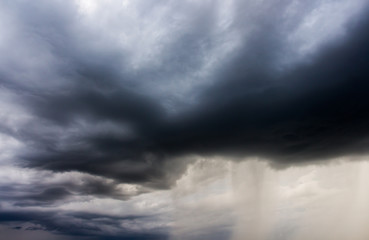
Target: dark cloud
41 192
90 109
90 226
51 194
313 109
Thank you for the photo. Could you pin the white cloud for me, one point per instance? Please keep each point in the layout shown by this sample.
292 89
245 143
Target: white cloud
326 22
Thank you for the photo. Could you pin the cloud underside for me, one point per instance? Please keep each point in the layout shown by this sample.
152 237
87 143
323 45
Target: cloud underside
127 94
95 121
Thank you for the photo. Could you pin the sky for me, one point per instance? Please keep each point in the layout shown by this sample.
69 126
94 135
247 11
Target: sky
184 120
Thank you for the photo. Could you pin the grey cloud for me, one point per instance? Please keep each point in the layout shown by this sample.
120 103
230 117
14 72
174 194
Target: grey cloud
48 190
251 108
92 107
80 225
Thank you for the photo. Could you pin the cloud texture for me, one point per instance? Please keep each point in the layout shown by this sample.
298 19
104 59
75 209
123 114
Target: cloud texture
114 101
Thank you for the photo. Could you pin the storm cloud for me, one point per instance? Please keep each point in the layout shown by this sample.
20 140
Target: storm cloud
114 101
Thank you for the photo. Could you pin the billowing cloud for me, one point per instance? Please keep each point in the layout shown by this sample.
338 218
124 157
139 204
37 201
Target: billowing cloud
114 100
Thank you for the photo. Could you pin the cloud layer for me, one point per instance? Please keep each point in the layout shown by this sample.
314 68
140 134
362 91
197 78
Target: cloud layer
113 101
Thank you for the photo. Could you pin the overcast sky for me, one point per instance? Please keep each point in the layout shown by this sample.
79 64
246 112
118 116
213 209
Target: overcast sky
191 119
